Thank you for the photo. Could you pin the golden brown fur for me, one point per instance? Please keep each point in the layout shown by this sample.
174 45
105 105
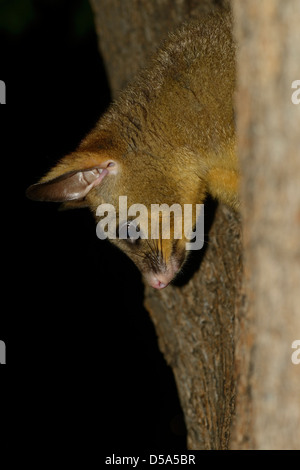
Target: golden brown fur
170 138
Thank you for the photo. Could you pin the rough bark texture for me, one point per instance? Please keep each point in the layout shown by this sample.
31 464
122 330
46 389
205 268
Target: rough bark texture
195 327
229 344
269 143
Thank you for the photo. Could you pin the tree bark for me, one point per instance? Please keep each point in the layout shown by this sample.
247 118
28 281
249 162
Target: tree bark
195 328
229 344
269 145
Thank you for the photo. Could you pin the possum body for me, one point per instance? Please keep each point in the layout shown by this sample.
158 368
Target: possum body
168 139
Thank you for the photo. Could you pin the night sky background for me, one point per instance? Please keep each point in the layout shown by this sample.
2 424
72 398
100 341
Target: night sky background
82 353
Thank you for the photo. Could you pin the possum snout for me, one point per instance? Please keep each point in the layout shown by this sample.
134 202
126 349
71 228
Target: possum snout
161 278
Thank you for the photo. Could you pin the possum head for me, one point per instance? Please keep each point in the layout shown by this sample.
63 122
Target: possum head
136 202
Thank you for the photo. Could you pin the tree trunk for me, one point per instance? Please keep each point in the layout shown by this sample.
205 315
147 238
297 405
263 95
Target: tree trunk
208 326
269 146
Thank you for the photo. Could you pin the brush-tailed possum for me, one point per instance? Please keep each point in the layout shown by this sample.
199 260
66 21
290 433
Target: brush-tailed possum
168 139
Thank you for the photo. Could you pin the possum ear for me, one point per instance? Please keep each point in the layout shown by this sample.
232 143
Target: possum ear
73 178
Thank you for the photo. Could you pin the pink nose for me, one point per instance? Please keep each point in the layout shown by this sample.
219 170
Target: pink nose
158 284
159 281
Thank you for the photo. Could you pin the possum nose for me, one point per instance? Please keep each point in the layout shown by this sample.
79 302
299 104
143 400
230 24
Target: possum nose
159 281
162 278
159 285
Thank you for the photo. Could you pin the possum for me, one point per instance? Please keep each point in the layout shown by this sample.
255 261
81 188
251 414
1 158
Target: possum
168 139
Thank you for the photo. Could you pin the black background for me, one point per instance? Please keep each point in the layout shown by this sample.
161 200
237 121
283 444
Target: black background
82 353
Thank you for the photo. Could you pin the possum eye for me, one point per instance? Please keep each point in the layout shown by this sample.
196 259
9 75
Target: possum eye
130 232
